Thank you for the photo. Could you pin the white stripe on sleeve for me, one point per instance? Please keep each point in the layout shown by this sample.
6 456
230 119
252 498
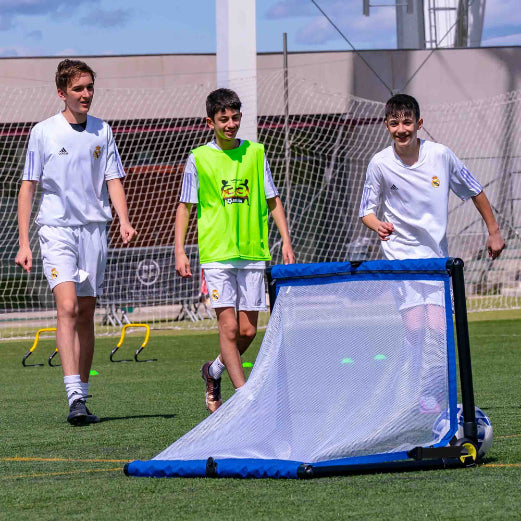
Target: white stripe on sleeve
471 181
190 182
270 189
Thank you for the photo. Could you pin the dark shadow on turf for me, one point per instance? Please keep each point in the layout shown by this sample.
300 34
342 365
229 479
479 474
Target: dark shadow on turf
115 418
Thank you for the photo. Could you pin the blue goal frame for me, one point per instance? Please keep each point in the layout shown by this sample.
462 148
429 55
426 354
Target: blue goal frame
439 455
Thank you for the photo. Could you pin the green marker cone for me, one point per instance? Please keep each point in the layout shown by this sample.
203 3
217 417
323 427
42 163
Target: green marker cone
247 364
93 372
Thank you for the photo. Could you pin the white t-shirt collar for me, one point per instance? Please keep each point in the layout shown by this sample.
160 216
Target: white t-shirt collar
421 156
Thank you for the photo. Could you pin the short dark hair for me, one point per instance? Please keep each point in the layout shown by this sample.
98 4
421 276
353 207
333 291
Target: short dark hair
68 70
402 104
220 100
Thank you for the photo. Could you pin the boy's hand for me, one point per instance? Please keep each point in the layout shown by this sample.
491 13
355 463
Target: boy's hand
495 244
287 254
182 265
384 230
127 233
24 258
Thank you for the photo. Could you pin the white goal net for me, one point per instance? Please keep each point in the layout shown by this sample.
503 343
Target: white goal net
318 157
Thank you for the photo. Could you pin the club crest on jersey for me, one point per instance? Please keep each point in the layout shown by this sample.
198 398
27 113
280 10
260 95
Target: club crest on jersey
215 294
435 181
54 273
97 152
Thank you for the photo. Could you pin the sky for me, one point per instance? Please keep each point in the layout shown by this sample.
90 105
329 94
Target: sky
116 27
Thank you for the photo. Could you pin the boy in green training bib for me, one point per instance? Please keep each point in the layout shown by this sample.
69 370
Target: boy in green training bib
230 181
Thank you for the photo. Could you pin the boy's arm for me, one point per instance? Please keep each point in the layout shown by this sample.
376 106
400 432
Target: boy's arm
382 228
370 202
495 242
277 212
182 219
24 257
117 196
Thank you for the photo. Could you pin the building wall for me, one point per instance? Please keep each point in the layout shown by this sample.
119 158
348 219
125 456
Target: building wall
442 76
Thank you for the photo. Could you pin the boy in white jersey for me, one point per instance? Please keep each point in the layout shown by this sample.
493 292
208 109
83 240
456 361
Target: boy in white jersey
74 158
230 181
411 179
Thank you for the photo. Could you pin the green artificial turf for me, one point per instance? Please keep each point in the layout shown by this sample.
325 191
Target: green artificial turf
50 470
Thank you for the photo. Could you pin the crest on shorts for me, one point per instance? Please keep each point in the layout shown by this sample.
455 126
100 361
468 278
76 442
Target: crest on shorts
97 152
54 273
435 181
215 294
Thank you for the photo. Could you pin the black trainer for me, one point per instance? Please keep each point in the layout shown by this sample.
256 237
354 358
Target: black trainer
92 418
78 414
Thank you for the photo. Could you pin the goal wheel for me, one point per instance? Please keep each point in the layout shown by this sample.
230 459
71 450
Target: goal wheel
469 456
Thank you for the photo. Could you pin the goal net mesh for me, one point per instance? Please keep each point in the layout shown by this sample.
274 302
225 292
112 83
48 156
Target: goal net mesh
343 372
318 157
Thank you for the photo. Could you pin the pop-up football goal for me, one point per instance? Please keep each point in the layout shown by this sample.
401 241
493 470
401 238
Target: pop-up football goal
357 363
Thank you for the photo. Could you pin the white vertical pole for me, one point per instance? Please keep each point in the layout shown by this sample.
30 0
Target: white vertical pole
410 25
237 57
476 18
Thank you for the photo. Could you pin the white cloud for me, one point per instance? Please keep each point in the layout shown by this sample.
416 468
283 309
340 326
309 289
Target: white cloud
70 51
15 51
318 31
292 8
102 18
501 12
35 35
378 30
11 10
297 8
510 39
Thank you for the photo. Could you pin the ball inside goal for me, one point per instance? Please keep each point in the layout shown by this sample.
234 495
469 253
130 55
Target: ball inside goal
485 431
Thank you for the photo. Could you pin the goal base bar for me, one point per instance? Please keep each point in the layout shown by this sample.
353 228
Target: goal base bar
286 469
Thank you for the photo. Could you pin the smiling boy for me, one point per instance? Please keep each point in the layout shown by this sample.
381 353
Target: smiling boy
411 179
230 181
74 158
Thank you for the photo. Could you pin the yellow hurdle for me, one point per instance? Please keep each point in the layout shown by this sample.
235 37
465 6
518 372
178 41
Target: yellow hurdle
122 338
35 343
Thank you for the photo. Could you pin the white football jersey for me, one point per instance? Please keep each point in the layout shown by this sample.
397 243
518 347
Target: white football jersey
72 168
415 199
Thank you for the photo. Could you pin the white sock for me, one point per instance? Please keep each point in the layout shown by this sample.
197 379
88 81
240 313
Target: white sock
73 387
216 369
84 389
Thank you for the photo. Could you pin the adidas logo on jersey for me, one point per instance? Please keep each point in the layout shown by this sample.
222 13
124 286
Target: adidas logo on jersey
394 187
63 152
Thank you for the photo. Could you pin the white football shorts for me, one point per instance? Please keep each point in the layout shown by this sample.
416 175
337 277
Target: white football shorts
242 289
412 293
75 254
